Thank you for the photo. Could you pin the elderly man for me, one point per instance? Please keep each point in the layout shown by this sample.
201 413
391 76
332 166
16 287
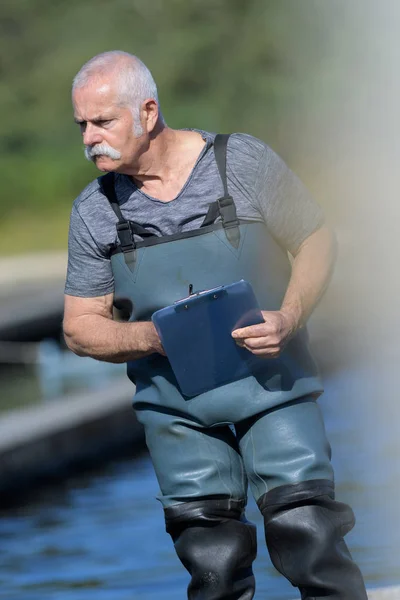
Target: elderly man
182 208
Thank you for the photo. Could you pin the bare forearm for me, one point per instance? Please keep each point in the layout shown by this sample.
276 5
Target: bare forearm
110 341
312 269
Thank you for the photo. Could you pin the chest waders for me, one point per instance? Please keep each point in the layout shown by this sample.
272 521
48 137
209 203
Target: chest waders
280 442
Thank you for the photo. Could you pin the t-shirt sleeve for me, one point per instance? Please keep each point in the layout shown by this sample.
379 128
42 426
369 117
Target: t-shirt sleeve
89 271
291 214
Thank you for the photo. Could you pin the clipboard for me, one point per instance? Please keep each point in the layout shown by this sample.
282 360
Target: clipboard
196 335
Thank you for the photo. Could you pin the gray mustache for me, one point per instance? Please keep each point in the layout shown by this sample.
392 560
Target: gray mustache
103 150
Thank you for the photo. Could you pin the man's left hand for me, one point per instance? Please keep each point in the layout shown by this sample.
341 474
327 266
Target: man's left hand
269 338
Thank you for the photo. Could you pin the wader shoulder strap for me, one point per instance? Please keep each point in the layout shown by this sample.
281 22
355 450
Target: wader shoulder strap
220 148
107 183
226 205
124 230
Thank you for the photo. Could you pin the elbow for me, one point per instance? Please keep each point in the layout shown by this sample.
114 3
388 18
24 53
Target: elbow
71 338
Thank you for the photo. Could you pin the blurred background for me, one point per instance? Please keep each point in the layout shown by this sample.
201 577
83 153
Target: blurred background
319 82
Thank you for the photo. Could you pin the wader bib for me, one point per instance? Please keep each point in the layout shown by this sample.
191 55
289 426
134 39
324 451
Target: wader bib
157 271
279 443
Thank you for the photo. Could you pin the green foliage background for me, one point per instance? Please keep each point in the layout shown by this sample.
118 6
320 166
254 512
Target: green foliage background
268 67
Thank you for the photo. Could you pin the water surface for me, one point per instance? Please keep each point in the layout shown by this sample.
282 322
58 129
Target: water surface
101 536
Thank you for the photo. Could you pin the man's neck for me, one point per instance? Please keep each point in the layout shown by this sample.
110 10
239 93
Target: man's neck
167 162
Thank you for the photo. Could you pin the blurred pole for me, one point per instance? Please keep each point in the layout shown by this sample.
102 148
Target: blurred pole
355 173
356 327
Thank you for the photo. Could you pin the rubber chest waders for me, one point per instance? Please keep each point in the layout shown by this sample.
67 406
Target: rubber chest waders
201 471
157 271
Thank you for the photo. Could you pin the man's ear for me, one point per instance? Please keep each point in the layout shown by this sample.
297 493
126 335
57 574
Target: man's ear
149 114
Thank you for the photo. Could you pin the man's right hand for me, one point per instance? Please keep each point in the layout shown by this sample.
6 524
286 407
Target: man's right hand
155 341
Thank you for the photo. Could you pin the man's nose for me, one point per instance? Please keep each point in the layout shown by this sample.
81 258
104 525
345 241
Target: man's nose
91 135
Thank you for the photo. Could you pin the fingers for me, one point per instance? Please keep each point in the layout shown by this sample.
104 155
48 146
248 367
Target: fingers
272 325
262 343
254 331
272 353
247 332
265 339
268 347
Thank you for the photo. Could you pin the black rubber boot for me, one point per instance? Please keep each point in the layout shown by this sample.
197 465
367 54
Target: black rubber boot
304 529
216 545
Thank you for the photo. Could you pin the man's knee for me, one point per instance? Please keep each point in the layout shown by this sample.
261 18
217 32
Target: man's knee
217 545
304 530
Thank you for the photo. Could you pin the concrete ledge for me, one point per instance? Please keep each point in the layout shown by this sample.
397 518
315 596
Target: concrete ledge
391 593
31 312
50 440
32 267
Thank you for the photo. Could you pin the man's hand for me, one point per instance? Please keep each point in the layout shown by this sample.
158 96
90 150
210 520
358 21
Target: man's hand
311 271
155 341
269 338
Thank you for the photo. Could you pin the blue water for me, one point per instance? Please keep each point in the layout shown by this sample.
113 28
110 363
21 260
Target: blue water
101 536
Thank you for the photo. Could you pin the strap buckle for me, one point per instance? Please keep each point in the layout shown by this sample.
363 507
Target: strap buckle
227 210
125 236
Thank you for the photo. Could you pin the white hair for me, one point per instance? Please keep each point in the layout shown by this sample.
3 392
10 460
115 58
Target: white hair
134 80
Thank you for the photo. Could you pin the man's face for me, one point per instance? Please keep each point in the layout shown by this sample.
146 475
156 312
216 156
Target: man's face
106 127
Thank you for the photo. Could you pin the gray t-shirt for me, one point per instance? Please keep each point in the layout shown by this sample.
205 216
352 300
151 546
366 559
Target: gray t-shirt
262 186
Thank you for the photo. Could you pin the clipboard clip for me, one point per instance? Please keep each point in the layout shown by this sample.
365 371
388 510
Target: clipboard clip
218 290
211 294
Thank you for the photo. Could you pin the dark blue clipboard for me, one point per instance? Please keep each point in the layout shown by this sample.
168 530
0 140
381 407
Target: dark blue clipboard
196 335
